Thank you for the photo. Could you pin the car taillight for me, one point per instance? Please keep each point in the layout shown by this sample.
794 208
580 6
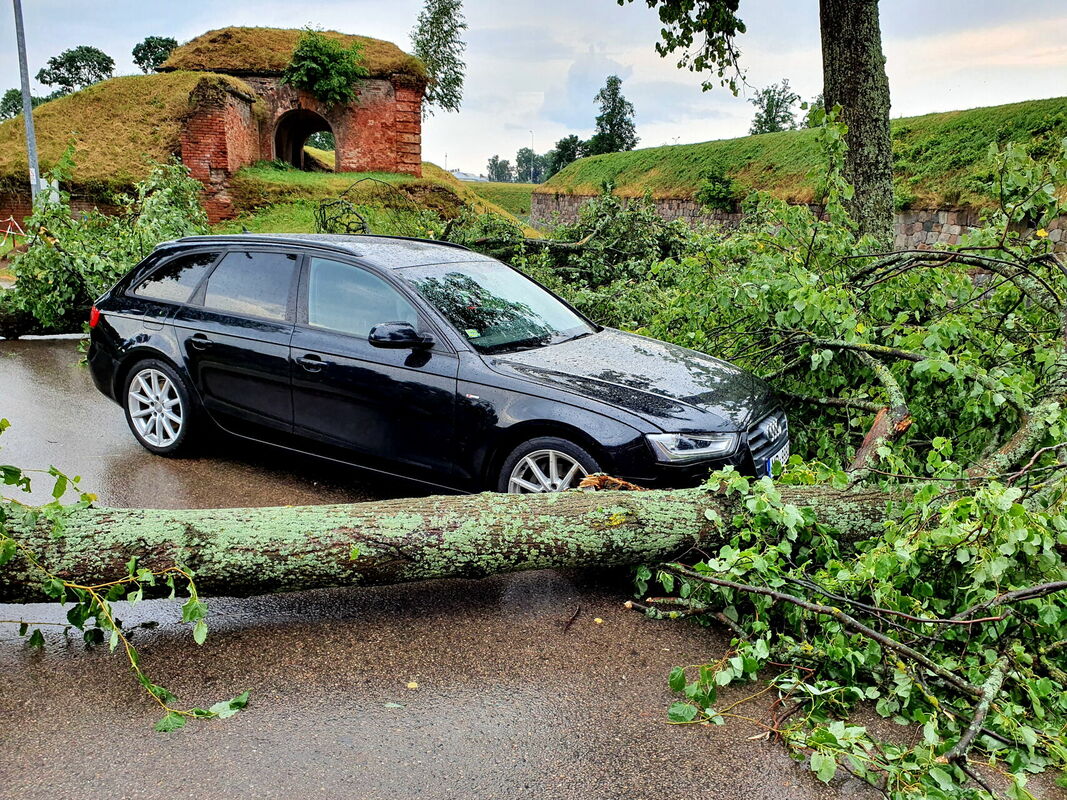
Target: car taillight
94 316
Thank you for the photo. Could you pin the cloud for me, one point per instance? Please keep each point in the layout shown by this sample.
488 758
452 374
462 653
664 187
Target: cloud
670 101
572 104
525 43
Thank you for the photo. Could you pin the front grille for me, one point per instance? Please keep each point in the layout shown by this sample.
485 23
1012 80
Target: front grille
768 435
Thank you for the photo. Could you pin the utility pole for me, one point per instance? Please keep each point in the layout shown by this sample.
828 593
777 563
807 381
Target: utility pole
27 103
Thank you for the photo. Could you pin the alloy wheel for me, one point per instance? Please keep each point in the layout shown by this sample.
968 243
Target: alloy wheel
155 408
545 471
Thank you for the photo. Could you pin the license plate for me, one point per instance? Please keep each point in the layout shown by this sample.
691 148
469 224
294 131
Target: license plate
781 457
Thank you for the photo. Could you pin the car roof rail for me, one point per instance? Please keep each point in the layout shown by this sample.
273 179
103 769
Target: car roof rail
292 238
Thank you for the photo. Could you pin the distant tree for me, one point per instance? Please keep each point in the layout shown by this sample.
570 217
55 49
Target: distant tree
499 170
437 41
323 140
326 68
568 149
544 163
813 114
774 108
526 167
76 68
615 124
11 103
150 54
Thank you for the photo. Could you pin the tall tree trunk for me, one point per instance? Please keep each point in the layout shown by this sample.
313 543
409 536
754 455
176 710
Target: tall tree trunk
854 77
242 552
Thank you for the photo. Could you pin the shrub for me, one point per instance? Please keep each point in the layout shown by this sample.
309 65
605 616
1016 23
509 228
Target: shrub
326 68
718 191
71 260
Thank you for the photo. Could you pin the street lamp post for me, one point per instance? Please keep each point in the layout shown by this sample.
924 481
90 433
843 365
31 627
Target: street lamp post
27 103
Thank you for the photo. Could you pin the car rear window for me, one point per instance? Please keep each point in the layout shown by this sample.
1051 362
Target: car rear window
177 278
252 284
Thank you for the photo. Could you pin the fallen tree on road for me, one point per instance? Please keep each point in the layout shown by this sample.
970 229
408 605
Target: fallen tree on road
241 552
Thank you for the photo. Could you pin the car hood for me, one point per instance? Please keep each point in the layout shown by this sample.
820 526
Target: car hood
675 388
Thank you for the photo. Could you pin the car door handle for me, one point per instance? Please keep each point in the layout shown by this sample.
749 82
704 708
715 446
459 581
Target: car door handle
311 362
199 341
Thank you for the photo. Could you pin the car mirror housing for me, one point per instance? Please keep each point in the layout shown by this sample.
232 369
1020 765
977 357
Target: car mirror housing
399 336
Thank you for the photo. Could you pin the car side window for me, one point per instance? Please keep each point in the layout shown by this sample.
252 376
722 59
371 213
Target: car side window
177 278
348 299
249 283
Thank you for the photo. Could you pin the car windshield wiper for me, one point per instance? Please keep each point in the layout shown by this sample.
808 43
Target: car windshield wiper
581 335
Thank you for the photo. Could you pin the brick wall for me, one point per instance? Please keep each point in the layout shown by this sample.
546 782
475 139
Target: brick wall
19 207
914 228
381 131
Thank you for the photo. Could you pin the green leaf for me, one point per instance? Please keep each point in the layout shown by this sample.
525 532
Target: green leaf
172 722
824 766
676 680
682 712
227 708
37 639
7 550
200 631
354 552
193 609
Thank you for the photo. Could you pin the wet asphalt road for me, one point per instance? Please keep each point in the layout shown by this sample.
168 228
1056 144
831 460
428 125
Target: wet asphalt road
507 704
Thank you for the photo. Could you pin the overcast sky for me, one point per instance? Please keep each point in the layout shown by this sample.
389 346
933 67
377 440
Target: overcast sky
535 66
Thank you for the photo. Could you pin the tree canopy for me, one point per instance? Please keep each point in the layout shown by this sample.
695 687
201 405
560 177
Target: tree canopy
150 53
438 42
615 129
77 68
774 108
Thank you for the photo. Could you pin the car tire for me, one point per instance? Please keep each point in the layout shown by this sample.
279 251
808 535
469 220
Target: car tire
545 464
160 410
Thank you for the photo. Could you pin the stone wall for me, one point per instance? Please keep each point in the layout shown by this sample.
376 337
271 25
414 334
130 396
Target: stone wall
914 228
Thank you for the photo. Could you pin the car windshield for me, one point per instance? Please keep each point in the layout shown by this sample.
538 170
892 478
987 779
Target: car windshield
495 307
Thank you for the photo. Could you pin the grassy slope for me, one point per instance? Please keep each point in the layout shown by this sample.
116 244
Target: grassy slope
935 156
252 50
283 201
117 126
515 197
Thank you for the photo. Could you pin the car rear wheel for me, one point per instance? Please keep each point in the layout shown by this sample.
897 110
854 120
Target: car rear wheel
159 408
545 464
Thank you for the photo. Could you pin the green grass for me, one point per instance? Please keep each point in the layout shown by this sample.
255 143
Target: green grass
936 158
275 200
117 127
515 197
260 186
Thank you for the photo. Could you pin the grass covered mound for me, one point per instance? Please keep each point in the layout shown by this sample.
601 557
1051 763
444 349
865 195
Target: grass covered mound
937 158
267 51
515 197
278 200
118 127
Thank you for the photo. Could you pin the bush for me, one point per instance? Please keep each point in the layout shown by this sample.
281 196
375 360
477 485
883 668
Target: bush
718 191
72 260
326 68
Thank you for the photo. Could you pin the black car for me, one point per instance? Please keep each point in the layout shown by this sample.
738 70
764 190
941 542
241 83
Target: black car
415 358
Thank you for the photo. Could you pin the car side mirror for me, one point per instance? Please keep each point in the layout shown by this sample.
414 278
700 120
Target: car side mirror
399 336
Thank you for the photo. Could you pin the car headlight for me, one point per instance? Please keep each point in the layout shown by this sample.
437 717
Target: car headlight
675 447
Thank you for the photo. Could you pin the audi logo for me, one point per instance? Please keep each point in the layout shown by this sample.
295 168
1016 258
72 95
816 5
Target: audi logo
774 428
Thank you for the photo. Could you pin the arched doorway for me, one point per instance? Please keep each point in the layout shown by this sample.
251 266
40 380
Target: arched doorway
293 129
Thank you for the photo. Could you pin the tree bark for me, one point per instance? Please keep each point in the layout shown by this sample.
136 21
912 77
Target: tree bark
242 552
854 77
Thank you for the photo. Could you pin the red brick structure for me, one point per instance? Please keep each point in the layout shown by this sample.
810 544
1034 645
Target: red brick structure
226 129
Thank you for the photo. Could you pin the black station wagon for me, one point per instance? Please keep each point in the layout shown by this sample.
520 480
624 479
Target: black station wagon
414 358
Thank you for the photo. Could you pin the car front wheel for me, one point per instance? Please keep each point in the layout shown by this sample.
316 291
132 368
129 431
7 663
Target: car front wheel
545 464
159 408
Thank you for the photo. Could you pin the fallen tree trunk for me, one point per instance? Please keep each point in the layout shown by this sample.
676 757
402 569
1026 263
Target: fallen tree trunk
242 552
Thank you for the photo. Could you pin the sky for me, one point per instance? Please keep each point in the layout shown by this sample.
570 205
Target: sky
533 68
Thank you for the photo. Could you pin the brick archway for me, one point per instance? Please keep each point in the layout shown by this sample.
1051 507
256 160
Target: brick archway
292 130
